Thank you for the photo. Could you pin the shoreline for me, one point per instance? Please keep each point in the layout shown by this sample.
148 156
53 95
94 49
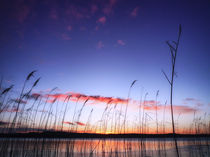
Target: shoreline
94 135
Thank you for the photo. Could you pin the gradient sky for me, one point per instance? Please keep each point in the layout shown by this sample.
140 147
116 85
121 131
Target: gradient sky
96 47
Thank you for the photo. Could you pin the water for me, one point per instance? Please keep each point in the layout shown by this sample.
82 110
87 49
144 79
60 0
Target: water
188 147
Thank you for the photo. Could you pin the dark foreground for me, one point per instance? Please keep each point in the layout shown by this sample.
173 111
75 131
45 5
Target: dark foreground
102 147
52 134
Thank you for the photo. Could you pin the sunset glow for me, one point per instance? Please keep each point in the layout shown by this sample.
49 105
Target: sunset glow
104 66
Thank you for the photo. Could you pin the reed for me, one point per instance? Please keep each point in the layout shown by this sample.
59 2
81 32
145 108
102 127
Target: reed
44 114
173 51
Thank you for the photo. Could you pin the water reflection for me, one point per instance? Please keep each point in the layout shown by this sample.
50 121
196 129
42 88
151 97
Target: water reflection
103 147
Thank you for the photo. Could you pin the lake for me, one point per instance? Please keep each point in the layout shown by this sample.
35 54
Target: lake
150 147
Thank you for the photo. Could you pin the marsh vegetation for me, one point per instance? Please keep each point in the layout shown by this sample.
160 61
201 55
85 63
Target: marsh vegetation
29 112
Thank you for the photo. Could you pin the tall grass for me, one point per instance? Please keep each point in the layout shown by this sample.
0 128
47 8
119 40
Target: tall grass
31 112
173 51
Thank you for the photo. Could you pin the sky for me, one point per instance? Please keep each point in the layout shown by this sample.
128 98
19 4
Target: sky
99 47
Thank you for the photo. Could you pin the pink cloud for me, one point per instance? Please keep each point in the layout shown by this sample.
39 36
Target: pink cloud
69 28
191 101
53 14
183 109
108 9
23 13
97 28
80 123
61 97
77 12
35 96
177 108
9 110
82 97
65 36
134 13
149 105
102 20
69 123
20 101
100 45
121 42
93 8
112 2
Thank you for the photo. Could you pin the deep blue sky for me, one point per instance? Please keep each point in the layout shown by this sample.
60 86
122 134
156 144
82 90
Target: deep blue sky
99 47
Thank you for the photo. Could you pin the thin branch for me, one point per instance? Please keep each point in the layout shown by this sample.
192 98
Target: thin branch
167 42
175 42
166 77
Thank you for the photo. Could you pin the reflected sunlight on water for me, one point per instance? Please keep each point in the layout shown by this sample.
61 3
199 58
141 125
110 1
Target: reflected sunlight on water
103 147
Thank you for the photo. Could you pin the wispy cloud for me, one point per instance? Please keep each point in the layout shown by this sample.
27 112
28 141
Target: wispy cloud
108 9
121 42
82 97
102 20
100 45
134 12
69 123
53 14
184 109
80 123
23 13
65 36
149 105
69 28
94 8
36 95
74 12
190 99
55 89
193 101
9 110
20 101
